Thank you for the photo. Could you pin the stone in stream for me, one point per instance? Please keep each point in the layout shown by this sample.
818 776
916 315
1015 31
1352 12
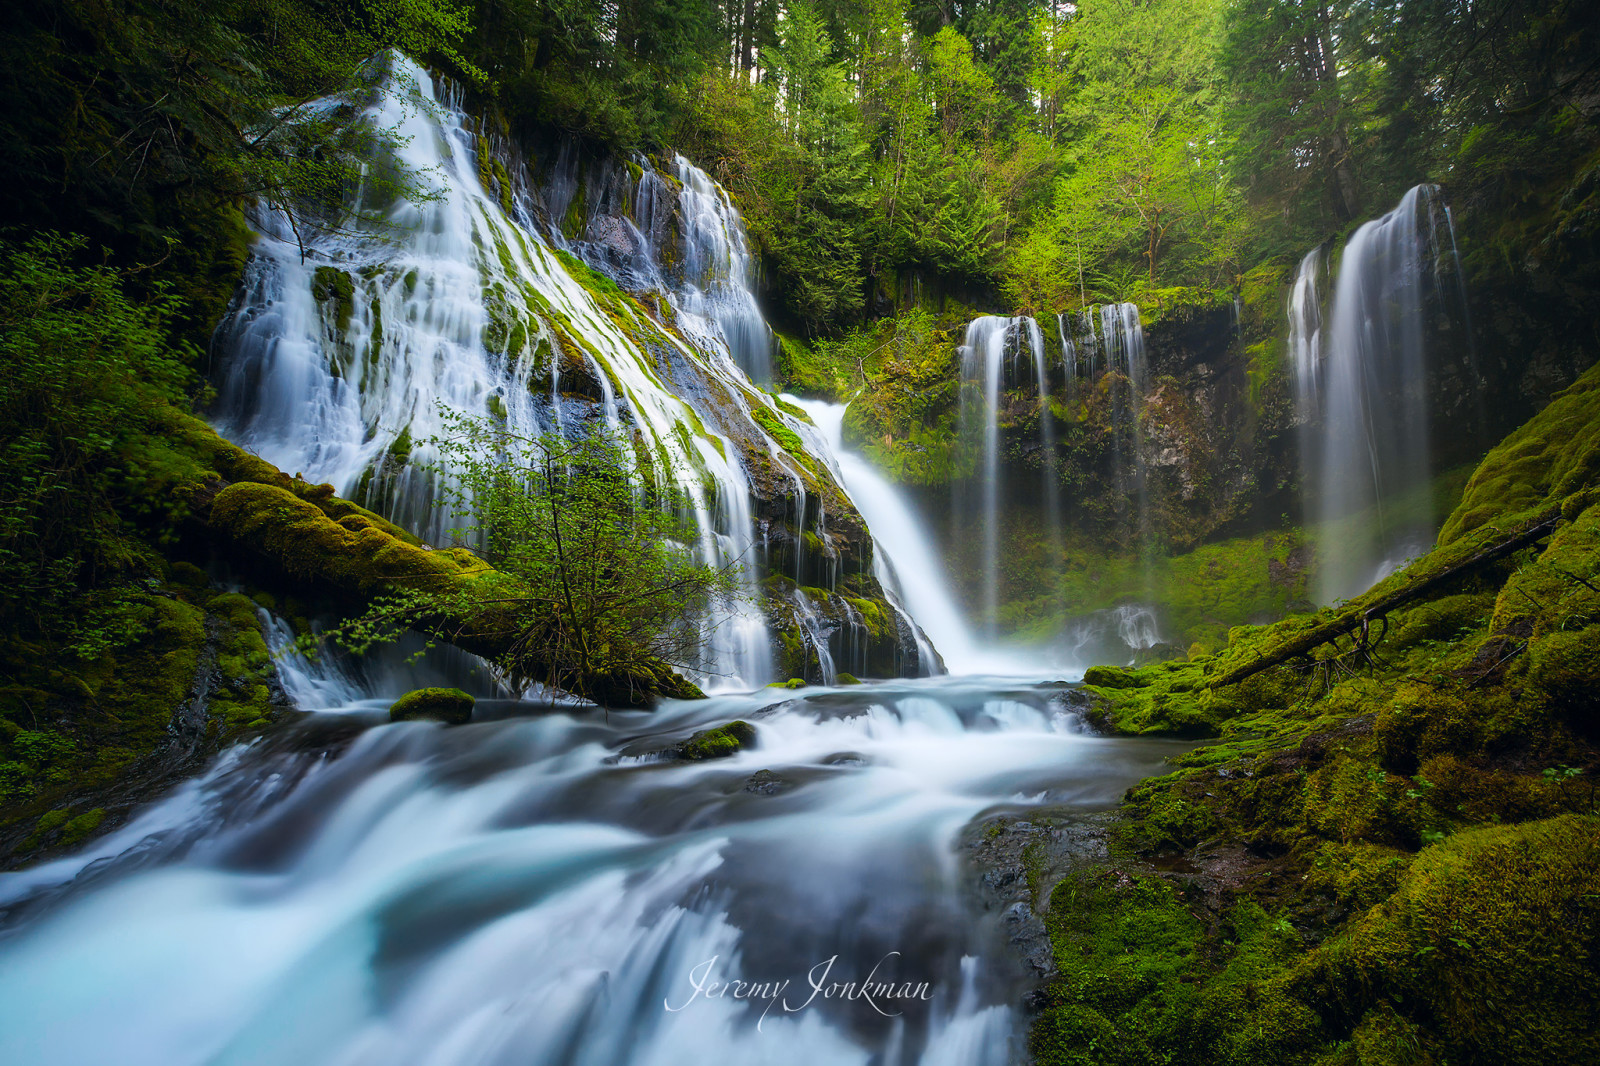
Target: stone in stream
718 743
766 783
448 705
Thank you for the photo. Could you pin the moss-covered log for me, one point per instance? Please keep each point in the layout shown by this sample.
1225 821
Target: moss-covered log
1368 611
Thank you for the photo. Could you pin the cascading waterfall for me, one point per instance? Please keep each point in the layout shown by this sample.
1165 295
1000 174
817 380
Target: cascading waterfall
1361 381
905 562
341 364
633 215
713 300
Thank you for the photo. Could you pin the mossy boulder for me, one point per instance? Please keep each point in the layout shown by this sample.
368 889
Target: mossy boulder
448 705
1554 456
718 743
1492 941
1567 667
1113 677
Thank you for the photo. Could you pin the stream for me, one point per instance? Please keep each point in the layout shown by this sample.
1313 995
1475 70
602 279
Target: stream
544 886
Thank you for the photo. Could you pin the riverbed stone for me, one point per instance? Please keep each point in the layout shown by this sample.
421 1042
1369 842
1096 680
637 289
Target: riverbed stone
448 705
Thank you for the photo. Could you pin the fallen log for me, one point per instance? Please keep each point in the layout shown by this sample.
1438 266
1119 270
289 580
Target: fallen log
1362 617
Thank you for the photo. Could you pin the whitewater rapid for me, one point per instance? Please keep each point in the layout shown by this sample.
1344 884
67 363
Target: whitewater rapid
543 886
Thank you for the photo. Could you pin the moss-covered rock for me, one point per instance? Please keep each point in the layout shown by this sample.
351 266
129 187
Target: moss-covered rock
1488 947
718 743
448 705
1382 839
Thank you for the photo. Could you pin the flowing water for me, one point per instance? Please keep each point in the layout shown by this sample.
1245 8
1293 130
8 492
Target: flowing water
1361 377
996 353
549 889
349 349
551 884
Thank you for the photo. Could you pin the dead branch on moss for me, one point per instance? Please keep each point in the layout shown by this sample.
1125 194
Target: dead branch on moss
1360 620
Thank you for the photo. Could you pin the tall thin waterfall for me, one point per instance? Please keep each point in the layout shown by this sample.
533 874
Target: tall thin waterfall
341 364
997 351
1361 379
1109 338
1305 333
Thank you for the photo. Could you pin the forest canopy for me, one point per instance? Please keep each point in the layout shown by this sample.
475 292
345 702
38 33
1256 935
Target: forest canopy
1029 152
1057 153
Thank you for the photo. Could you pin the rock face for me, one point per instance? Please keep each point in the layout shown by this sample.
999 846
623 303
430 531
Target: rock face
448 705
551 290
666 237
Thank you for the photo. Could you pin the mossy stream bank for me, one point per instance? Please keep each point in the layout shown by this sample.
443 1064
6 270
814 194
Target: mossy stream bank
1379 854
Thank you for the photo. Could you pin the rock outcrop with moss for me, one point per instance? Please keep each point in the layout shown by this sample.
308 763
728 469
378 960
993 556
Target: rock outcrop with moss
448 705
1388 851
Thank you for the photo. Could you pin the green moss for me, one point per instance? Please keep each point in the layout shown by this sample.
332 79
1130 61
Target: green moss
787 438
78 830
244 665
1122 946
1113 677
842 678
1488 916
718 743
576 219
601 287
807 371
449 705
1166 698
332 286
1555 455
400 449
791 410
792 683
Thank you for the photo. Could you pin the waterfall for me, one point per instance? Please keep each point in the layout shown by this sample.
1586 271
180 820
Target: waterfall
341 364
1361 382
1109 339
713 299
1305 334
905 562
996 352
983 353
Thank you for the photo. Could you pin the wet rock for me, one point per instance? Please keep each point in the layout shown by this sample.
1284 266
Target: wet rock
448 705
718 743
767 783
845 758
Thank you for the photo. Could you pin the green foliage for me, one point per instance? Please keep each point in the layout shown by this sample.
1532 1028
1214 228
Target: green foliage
906 419
161 115
1144 188
590 579
82 365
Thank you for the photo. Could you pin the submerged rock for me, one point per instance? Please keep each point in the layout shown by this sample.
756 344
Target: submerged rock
448 705
766 783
